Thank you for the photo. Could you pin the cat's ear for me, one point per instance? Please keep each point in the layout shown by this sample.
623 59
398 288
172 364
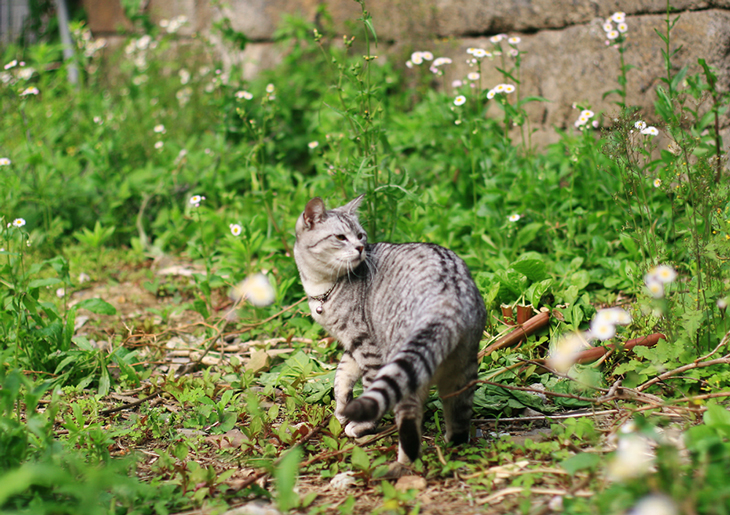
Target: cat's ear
314 212
351 207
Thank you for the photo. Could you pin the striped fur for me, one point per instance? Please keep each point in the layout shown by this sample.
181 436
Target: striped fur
408 316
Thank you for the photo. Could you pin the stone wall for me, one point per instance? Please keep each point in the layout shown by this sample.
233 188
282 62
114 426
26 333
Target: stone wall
566 58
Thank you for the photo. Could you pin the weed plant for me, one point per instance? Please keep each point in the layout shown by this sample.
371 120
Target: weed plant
157 152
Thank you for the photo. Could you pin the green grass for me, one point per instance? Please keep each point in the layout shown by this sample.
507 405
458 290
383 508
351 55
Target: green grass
236 398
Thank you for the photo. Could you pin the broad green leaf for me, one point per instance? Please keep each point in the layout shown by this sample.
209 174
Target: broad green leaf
359 459
98 306
286 473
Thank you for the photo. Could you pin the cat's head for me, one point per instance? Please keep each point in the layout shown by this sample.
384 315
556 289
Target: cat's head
329 243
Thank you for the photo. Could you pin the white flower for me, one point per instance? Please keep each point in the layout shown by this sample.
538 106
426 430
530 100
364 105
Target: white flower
461 99
499 88
607 27
480 53
514 40
655 504
457 84
256 288
313 144
616 316
195 200
470 50
164 23
587 113
496 39
184 76
562 356
235 229
409 64
416 58
602 328
144 42
650 131
270 88
657 182
473 76
618 17
632 458
60 293
4 161
244 94
30 91
160 129
722 302
640 125
613 34
25 73
513 52
509 88
622 27
491 93
514 217
159 145
440 61
19 222
428 56
654 287
11 64
665 274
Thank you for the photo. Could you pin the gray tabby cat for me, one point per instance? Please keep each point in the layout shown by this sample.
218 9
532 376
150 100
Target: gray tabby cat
408 316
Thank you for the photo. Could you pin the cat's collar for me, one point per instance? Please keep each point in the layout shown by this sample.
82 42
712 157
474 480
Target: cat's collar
322 298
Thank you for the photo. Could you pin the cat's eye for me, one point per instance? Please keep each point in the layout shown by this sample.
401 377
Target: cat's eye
360 236
341 237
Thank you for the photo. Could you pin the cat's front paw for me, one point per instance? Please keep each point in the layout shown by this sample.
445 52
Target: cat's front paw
360 429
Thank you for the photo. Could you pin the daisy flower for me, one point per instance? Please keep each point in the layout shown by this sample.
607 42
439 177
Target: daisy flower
622 27
270 88
195 200
663 273
479 53
428 56
244 95
159 145
514 217
416 58
491 93
632 459
655 504
514 40
496 39
654 287
235 229
457 84
657 182
607 27
618 17
460 100
30 91
587 113
470 50
440 61
640 125
499 88
508 88
602 328
19 222
562 356
256 288
613 34
160 129
473 76
650 131
4 161
313 144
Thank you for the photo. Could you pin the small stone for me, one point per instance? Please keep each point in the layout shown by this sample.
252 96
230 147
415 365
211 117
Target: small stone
406 483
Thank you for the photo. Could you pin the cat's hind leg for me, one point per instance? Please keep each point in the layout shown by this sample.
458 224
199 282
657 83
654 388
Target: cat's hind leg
457 397
409 419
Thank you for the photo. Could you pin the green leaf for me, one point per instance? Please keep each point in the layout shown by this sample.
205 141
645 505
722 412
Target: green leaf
527 234
532 267
48 281
629 244
360 459
535 292
286 473
580 461
98 306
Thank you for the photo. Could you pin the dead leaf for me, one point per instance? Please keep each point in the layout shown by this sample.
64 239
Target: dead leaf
406 483
259 361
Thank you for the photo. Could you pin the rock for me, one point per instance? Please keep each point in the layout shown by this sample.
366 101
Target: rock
343 481
406 483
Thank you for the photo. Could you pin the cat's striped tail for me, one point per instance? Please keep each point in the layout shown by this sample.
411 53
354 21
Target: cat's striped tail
412 368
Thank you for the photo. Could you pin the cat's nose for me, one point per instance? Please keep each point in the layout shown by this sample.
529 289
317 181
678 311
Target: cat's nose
360 248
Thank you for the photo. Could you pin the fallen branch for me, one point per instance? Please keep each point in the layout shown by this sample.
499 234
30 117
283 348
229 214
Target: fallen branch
592 354
518 333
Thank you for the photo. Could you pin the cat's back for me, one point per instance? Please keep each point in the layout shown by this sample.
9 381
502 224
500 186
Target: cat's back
417 277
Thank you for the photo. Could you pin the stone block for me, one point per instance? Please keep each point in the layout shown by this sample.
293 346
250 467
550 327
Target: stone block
575 65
